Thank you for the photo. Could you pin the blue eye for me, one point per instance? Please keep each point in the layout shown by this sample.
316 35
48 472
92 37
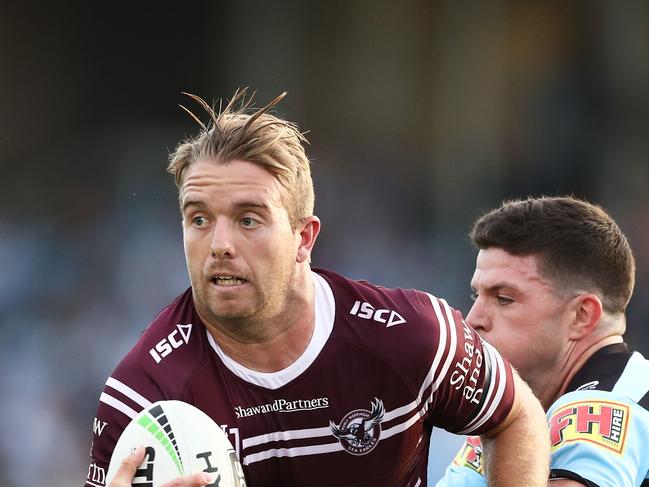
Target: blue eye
474 296
199 221
248 222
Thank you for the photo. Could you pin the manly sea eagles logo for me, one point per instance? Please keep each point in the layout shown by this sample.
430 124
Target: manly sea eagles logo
360 429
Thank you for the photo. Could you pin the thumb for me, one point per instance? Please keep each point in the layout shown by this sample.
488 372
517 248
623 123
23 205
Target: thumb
127 469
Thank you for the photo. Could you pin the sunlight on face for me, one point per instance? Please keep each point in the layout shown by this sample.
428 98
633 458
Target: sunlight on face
519 311
239 246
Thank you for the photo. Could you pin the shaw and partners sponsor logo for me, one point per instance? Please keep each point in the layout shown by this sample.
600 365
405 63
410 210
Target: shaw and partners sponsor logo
359 430
366 311
282 406
180 336
603 423
467 370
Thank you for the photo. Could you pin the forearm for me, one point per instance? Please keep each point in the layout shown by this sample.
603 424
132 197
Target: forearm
517 453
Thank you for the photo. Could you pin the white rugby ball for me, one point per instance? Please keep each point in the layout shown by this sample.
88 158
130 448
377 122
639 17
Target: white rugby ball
180 440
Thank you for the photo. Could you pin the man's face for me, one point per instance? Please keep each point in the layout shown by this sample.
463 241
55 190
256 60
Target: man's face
239 245
520 312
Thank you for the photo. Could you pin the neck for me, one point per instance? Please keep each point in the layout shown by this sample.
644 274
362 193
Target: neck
575 360
282 338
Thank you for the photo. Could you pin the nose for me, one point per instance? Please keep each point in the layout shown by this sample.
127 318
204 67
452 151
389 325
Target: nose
221 246
478 318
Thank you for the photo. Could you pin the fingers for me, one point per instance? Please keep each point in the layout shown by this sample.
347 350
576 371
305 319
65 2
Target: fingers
197 480
127 469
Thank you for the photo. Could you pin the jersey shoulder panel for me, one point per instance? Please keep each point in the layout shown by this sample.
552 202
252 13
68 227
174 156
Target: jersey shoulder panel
600 434
388 322
169 350
602 370
465 385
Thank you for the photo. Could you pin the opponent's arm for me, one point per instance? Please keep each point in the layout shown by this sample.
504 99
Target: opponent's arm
127 469
517 451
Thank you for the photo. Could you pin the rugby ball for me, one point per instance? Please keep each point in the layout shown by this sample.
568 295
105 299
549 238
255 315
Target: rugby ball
179 440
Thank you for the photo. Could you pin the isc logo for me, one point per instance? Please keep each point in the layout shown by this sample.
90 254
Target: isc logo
167 345
367 311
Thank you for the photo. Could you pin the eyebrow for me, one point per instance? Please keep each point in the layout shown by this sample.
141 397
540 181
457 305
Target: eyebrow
188 203
497 286
238 204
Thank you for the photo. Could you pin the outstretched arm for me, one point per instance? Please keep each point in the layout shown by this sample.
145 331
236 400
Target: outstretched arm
517 452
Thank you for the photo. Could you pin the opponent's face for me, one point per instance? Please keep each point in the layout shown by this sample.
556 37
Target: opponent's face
520 312
241 251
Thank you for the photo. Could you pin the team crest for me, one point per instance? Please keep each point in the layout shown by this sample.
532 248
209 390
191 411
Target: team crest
470 455
360 429
603 423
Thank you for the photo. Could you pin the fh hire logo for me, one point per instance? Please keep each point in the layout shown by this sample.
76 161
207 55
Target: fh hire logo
385 316
167 345
360 429
603 423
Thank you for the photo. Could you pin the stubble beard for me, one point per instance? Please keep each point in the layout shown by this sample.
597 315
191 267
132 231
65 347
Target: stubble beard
250 322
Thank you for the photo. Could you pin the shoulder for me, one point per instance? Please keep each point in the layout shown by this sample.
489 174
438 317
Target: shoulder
385 307
617 371
596 417
404 328
167 352
598 431
612 388
391 320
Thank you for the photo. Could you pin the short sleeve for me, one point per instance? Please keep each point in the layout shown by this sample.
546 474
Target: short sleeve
472 388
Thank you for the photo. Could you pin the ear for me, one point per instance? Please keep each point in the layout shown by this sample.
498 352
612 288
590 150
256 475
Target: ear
588 311
308 233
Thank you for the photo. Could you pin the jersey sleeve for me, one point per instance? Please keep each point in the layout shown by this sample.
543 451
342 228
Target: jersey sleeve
466 470
599 438
471 387
126 392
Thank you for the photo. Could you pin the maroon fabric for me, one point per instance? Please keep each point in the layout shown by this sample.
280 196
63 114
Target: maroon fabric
372 385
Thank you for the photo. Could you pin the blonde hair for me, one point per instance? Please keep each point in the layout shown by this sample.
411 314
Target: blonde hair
240 132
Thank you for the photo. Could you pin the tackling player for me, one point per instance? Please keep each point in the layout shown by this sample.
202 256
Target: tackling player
317 379
552 281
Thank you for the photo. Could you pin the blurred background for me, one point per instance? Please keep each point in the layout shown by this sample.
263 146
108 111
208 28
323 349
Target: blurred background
422 115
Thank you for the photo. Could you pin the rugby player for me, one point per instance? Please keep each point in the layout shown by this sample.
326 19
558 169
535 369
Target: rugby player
317 379
552 281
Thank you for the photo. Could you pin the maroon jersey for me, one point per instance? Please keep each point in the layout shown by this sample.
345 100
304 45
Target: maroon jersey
357 408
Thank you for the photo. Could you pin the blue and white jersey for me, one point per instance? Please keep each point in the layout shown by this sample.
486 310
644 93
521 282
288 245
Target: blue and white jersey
599 429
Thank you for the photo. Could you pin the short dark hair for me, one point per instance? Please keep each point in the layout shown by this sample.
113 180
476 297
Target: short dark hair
577 244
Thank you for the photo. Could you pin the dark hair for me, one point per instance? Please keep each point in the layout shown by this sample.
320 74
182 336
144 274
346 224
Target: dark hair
577 244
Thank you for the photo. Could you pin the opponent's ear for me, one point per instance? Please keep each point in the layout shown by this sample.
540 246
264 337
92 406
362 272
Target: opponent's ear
588 311
308 233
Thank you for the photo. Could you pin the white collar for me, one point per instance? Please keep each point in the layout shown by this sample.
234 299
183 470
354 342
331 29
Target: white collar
325 311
